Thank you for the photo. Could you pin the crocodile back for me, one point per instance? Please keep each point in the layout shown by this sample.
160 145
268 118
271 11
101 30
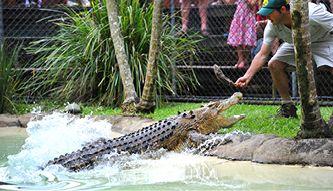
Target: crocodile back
150 137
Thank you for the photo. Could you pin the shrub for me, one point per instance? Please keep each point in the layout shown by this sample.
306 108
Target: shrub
8 76
80 60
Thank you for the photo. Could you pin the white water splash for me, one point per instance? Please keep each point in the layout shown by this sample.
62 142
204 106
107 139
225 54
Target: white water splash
50 137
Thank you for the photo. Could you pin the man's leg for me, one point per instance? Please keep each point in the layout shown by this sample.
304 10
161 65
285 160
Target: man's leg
281 83
280 78
326 69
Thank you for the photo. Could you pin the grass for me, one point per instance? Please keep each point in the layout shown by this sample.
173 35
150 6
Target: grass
258 117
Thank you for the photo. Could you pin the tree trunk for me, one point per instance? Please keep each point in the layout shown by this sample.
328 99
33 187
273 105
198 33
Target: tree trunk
147 101
125 72
312 123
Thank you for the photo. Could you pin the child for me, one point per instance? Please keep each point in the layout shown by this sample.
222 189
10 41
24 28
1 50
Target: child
185 11
242 32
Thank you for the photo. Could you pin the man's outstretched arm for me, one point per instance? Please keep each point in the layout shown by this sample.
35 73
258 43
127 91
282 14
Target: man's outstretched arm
256 64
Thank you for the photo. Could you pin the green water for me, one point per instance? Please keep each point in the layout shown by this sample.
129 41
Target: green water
11 140
172 172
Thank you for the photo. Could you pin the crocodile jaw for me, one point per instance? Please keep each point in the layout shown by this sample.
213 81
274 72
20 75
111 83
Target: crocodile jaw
209 119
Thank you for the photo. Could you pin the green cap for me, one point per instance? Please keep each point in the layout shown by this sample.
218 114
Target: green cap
270 6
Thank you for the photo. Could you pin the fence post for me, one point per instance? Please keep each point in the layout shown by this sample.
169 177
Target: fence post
173 66
1 23
293 84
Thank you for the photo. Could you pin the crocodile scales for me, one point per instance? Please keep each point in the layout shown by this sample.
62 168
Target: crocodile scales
169 134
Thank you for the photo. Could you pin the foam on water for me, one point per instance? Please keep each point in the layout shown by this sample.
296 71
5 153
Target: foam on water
50 137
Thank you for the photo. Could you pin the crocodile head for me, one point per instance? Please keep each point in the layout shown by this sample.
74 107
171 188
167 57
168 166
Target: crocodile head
205 120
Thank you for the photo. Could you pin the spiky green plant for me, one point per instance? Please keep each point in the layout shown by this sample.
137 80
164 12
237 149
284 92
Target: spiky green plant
8 82
80 60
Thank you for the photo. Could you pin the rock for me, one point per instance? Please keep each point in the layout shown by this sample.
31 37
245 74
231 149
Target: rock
7 120
275 150
73 108
242 147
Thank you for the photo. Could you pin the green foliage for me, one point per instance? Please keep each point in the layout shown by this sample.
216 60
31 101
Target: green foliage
8 76
81 63
43 105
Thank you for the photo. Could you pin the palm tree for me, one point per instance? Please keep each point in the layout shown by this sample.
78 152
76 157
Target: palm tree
125 72
147 101
312 123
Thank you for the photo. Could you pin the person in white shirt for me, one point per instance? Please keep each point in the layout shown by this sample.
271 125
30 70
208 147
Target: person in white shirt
279 25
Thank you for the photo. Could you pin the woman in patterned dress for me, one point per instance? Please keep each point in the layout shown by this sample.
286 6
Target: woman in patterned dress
242 32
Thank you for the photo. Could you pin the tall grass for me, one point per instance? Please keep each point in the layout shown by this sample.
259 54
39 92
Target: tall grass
8 82
81 63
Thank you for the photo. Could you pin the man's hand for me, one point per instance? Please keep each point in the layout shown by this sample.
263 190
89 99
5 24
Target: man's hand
242 82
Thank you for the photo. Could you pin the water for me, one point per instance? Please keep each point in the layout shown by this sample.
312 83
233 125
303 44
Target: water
23 153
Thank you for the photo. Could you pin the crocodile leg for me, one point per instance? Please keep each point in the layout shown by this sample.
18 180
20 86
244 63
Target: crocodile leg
197 138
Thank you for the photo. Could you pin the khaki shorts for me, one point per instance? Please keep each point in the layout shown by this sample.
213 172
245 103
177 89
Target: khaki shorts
322 53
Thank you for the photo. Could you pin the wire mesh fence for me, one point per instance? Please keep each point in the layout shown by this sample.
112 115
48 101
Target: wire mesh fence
231 40
24 21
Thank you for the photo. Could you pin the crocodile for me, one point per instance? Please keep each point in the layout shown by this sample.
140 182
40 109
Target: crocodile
171 134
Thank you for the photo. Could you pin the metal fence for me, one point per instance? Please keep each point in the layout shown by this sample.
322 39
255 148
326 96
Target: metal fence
216 49
24 21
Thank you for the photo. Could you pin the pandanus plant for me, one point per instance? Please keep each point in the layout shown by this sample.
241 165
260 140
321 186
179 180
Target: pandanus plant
8 78
80 62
